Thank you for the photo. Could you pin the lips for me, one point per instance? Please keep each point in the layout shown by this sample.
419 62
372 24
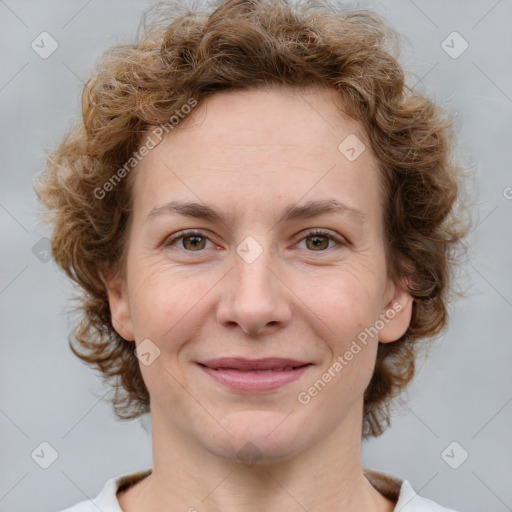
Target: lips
268 364
254 375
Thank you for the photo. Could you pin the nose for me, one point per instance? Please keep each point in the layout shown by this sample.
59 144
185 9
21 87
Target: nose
254 298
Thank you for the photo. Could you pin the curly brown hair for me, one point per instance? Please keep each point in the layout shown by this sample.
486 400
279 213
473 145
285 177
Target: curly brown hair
182 55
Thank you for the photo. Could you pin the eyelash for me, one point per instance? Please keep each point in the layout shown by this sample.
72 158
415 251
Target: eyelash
310 234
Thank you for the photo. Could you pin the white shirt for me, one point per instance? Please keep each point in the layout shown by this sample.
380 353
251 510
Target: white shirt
389 485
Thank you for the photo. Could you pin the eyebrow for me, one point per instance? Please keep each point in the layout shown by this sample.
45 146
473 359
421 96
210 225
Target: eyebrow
291 212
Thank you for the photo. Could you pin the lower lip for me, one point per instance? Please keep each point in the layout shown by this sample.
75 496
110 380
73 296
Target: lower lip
254 381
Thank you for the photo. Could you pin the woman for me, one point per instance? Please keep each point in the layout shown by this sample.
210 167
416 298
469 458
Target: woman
261 216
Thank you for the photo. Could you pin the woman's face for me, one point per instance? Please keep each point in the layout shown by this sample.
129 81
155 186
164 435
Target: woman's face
254 284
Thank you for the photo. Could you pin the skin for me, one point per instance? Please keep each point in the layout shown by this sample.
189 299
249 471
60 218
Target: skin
249 154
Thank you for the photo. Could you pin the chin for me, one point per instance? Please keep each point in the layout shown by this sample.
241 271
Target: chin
260 437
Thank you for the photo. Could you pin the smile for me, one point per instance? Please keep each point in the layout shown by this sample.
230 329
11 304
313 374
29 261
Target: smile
254 375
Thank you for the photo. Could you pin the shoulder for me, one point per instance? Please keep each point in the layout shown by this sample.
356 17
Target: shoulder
106 500
409 501
402 492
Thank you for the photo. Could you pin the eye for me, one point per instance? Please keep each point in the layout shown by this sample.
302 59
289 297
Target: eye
193 241
318 240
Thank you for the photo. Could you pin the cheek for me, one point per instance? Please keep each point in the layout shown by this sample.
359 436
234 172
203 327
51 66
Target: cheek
156 302
347 309
170 307
345 304
344 309
166 310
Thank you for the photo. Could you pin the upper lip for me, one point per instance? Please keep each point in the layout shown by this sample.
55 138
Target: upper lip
239 363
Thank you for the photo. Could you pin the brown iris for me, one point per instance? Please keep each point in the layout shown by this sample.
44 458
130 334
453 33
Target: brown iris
195 242
319 242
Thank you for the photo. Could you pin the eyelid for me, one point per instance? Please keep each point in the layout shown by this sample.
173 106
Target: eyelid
340 240
172 239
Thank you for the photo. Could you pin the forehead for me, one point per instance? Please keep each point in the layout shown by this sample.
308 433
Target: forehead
260 149
272 116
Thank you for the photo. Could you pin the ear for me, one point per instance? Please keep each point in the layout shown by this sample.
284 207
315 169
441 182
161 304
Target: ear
397 312
117 292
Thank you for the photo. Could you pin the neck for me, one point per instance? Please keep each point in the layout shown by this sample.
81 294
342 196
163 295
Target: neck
185 476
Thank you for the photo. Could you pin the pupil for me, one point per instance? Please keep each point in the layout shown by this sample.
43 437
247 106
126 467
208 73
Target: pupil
194 241
318 241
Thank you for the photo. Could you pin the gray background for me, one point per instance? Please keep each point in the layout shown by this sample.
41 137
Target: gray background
462 393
